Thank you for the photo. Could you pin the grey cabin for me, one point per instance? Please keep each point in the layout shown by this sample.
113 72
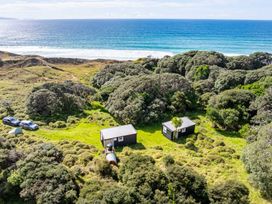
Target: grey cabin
119 136
187 127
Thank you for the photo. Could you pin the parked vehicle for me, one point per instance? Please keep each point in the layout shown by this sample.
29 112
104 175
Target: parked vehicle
29 125
11 121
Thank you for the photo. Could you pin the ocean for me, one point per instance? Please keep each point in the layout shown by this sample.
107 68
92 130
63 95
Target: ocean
131 39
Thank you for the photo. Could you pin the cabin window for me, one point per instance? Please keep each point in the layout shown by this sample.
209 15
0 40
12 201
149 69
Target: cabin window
164 130
120 139
183 130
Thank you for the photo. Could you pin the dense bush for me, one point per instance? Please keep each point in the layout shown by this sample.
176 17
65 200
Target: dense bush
148 63
230 109
168 160
229 79
186 185
57 99
255 75
141 173
261 59
257 157
183 63
263 107
8 158
206 58
253 61
43 179
178 184
117 71
229 192
201 72
97 191
175 64
148 98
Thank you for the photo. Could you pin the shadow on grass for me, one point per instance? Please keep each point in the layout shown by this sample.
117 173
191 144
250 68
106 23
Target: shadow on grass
150 128
138 146
60 117
229 133
181 140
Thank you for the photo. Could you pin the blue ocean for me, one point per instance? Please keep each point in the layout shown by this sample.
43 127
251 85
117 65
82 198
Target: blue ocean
130 39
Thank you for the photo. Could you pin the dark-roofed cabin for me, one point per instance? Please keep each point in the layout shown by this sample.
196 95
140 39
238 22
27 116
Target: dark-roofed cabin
119 136
187 127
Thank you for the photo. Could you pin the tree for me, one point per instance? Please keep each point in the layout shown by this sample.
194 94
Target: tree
177 122
43 102
140 173
257 157
117 71
263 106
55 100
230 109
186 186
7 106
229 79
148 98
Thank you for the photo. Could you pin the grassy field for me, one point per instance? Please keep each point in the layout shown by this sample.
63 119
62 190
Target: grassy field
214 165
216 157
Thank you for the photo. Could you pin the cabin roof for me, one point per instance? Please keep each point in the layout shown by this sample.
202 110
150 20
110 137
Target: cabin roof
119 131
186 122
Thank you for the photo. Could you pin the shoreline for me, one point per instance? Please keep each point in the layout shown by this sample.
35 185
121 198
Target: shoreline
92 54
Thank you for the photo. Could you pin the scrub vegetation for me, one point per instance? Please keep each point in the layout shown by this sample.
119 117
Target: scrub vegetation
227 160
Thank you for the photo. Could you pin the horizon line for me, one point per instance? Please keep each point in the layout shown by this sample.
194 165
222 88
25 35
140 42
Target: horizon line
219 19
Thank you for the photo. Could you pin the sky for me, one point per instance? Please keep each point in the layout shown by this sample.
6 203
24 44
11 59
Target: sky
137 9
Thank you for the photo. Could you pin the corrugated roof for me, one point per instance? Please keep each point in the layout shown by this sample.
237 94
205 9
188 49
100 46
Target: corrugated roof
186 122
118 131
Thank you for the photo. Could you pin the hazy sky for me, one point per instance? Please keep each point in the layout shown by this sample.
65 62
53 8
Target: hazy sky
189 9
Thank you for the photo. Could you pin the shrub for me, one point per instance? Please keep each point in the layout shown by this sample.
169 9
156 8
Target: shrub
143 99
43 102
201 72
257 157
140 172
253 61
117 71
206 58
203 87
103 168
256 75
72 119
57 99
186 185
190 145
240 62
148 63
263 107
230 109
97 191
230 192
39 173
175 64
168 160
229 79
58 124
